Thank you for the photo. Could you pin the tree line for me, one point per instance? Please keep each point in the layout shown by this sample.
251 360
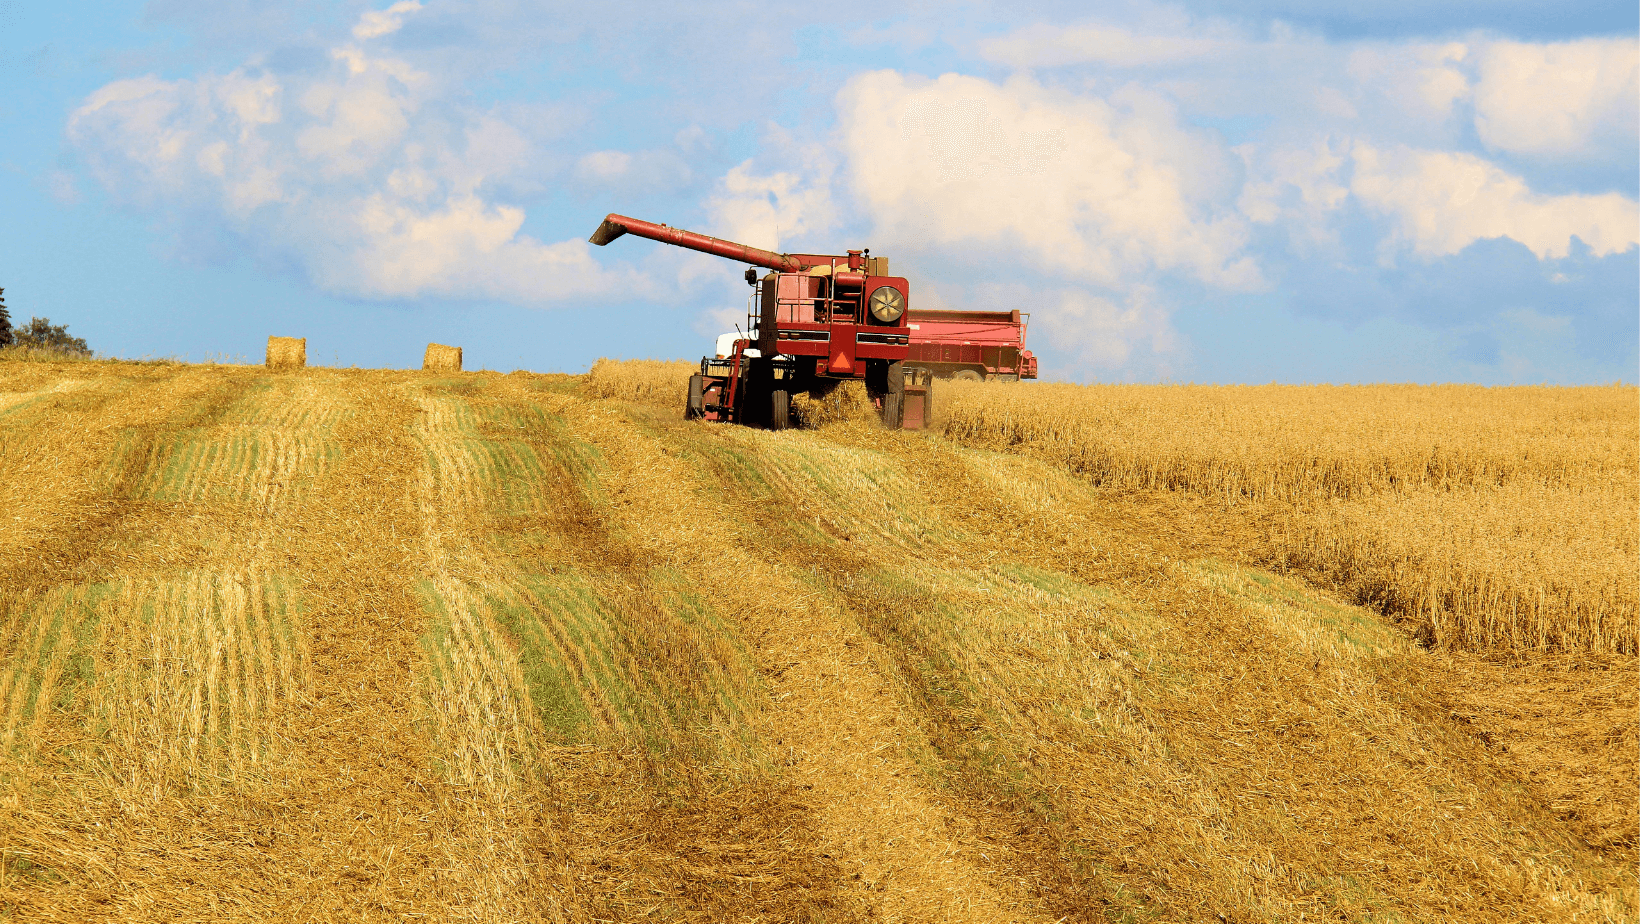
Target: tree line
39 334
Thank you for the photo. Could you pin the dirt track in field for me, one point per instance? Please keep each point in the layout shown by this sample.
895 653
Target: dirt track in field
341 646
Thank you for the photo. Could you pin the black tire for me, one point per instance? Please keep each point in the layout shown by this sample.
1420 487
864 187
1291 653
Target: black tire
968 375
894 410
894 397
780 409
695 407
755 384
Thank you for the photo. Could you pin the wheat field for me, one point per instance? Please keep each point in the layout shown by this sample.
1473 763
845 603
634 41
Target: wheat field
363 645
1501 518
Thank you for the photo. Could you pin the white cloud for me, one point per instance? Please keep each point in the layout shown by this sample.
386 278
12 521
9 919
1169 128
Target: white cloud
363 175
1576 98
1559 99
1101 335
772 210
1441 202
376 23
1300 188
781 200
462 246
1096 189
1423 81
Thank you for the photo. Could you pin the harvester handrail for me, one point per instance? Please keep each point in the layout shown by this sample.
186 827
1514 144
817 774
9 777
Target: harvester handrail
616 225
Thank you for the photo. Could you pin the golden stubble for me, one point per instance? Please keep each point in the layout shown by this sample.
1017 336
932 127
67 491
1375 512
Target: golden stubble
830 719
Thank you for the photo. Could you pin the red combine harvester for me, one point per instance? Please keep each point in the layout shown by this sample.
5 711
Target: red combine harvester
817 320
972 345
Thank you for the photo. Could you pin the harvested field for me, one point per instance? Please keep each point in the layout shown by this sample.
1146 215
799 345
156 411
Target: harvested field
352 645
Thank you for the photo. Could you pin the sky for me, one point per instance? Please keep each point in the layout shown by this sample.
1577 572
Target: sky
1224 191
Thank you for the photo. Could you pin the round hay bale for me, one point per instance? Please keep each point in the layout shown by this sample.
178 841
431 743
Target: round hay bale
287 352
441 358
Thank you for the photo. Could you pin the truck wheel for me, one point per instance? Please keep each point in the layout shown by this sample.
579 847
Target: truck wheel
780 409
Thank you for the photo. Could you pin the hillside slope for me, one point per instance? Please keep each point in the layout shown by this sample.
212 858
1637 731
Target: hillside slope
351 645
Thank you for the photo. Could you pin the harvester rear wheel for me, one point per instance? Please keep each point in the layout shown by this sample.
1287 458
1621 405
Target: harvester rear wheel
968 375
695 407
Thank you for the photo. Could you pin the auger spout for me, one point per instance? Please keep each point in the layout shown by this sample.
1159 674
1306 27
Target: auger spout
616 225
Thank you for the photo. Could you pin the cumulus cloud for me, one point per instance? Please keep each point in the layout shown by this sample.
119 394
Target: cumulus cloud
770 210
1561 98
1300 188
364 174
1441 202
1423 81
1095 188
375 23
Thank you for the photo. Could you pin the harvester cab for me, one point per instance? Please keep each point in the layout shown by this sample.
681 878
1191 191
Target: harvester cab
819 320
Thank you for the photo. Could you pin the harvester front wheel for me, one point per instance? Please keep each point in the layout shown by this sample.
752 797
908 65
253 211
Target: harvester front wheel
780 409
893 410
894 397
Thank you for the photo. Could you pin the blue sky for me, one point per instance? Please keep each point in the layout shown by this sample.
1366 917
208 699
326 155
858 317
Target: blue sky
1230 191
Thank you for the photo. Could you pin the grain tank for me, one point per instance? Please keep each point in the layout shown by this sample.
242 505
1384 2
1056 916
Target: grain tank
974 345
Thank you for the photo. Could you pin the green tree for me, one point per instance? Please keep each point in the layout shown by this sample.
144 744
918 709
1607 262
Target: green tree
5 322
42 334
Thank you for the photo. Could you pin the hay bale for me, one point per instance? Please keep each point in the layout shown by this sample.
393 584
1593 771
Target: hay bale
287 352
441 358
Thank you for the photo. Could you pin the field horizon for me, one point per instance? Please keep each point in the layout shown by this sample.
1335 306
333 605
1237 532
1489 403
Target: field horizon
339 644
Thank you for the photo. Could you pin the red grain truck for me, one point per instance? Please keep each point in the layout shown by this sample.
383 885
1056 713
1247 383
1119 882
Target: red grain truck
971 345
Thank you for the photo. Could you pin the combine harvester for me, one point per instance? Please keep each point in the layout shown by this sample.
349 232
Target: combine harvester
816 321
